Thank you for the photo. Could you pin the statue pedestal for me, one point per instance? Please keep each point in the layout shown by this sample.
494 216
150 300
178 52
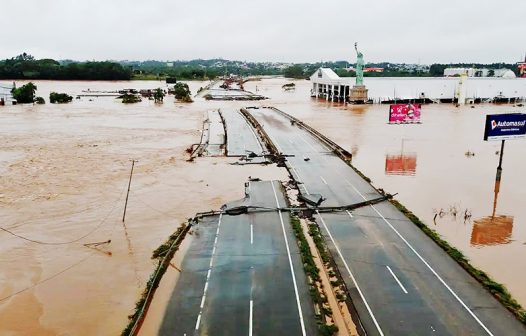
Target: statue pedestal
359 94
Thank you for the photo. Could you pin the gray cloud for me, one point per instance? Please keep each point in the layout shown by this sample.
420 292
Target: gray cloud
409 31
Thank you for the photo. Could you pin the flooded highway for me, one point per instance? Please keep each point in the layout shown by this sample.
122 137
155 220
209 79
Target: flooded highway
64 170
243 275
391 268
427 166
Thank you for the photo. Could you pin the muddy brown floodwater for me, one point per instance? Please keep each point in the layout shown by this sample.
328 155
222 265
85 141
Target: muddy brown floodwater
428 167
63 174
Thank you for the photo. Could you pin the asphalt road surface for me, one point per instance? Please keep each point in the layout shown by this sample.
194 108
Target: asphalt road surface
400 281
241 138
243 275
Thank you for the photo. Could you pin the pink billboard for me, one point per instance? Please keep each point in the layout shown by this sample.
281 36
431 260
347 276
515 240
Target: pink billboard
401 164
404 113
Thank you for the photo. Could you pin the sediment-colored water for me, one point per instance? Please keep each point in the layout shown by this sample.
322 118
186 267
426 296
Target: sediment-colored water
64 173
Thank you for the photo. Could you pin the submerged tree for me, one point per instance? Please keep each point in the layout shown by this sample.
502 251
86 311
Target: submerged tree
158 95
130 98
59 98
24 94
182 92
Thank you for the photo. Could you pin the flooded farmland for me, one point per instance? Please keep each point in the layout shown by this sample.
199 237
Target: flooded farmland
64 171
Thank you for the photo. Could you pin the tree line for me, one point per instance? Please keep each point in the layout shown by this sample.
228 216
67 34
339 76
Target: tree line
25 66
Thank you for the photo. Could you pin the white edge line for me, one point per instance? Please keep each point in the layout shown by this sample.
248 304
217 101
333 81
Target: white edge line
428 266
323 180
250 318
208 276
252 131
251 234
352 276
290 263
198 321
396 278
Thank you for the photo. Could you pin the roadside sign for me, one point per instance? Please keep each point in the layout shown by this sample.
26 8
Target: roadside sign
505 126
404 113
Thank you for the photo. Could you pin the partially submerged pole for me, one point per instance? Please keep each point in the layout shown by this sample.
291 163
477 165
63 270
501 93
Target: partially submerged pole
499 168
128 193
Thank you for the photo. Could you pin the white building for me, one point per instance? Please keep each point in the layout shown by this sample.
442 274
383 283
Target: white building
327 84
472 72
504 73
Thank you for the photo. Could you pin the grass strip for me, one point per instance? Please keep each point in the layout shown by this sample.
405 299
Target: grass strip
498 290
163 254
318 297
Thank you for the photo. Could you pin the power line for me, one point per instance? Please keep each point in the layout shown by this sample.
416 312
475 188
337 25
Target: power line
71 241
47 279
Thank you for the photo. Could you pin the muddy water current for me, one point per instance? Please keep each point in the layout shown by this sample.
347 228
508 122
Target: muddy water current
64 171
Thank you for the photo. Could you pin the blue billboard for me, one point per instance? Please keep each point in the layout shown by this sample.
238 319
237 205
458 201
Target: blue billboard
505 126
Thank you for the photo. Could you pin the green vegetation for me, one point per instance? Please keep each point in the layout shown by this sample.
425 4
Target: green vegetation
308 261
39 100
163 254
24 94
59 98
158 95
295 71
129 98
199 69
313 273
25 66
328 330
182 92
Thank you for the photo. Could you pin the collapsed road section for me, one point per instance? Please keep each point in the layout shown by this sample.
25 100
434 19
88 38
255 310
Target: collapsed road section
229 89
241 139
243 274
399 280
213 137
226 132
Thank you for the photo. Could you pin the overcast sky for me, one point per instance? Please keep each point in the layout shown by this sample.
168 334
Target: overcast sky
410 31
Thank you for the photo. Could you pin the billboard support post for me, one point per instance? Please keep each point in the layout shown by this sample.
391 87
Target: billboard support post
497 178
499 168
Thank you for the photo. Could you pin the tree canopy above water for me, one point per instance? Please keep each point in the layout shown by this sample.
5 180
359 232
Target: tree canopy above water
25 66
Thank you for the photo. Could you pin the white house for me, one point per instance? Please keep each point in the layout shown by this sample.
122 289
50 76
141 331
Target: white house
327 84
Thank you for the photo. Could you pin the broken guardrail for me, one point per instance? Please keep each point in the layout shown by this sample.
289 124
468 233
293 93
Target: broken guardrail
244 209
342 153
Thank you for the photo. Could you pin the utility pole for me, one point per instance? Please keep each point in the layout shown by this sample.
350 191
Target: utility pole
128 193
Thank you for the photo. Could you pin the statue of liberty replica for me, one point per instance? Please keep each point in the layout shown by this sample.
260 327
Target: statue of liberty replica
359 91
